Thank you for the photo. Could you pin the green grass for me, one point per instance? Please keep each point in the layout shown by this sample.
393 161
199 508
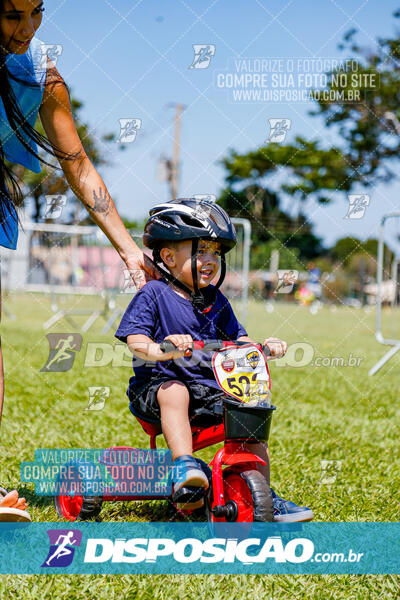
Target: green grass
324 413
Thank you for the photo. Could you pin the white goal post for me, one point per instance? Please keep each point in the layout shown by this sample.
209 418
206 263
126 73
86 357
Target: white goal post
395 343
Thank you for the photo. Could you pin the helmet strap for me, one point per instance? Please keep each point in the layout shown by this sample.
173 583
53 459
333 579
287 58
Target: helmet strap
197 297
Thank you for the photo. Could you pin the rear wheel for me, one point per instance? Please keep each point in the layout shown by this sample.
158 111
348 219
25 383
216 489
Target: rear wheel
247 497
82 508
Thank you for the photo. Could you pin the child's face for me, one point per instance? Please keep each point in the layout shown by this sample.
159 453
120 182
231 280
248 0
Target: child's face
178 261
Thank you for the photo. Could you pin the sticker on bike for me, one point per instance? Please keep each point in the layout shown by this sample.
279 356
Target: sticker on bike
242 372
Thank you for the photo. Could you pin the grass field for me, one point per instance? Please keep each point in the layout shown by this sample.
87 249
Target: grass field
328 412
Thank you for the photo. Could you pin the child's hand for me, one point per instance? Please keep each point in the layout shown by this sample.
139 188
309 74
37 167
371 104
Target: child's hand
183 343
276 346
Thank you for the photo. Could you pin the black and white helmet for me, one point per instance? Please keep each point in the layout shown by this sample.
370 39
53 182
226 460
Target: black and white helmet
188 219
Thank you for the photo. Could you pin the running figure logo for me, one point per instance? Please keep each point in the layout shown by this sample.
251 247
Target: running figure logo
97 397
54 206
62 547
128 130
203 54
286 281
357 206
278 129
330 469
208 197
63 347
51 52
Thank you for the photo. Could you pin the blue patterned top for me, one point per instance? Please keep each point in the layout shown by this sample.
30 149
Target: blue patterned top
30 67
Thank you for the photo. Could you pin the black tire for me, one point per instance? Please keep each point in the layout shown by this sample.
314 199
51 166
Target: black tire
263 502
256 492
91 507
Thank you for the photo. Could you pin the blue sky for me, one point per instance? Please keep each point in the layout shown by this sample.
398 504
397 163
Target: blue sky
130 59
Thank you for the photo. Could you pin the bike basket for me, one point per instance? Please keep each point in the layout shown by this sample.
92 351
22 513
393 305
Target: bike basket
247 422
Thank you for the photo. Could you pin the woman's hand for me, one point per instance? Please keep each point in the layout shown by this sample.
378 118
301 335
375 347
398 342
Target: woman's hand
141 269
276 346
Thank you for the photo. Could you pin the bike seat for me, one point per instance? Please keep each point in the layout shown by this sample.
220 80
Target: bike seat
202 436
150 426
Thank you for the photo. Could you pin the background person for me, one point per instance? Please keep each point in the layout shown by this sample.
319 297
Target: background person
30 86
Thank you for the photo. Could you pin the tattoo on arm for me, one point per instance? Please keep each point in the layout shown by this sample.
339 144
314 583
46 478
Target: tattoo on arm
102 202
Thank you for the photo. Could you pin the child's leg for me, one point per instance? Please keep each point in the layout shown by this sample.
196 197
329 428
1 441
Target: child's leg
261 450
173 399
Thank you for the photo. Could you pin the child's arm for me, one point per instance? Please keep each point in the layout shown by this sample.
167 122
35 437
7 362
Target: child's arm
145 348
276 346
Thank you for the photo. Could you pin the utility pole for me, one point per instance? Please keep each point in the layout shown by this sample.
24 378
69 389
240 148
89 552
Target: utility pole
174 172
168 168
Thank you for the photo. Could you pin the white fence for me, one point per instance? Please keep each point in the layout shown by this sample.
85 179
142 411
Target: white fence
64 260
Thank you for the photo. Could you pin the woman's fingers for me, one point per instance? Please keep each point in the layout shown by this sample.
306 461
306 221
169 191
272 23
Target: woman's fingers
21 504
10 499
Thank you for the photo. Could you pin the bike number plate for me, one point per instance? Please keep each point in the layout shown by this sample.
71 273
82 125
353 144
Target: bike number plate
242 372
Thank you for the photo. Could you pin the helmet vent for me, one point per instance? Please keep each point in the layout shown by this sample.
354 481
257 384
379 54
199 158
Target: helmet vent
190 221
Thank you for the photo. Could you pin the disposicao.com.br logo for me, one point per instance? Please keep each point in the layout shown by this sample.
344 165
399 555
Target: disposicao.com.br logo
191 550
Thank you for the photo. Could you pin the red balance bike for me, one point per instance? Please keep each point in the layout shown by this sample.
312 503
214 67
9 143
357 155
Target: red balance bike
238 490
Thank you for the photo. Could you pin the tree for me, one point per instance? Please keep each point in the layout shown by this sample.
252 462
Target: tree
347 248
272 228
369 129
305 168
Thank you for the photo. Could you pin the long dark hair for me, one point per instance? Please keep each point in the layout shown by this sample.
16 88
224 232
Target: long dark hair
10 191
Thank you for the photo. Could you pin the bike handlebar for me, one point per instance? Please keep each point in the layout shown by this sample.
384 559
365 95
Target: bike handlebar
211 346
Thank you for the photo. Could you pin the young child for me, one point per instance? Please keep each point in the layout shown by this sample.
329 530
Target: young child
189 239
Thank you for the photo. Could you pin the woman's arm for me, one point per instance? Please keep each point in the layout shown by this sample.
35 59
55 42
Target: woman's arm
83 179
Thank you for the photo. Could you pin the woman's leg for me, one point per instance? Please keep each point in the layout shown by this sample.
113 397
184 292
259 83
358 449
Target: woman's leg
11 499
1 363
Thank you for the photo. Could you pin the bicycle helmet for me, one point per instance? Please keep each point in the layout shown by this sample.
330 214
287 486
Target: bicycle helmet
190 219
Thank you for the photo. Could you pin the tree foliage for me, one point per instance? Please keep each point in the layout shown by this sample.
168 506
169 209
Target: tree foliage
369 134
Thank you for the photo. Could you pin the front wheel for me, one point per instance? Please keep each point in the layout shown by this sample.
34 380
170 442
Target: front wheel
247 496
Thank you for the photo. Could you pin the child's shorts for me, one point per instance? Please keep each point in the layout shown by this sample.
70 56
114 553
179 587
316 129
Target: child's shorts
205 406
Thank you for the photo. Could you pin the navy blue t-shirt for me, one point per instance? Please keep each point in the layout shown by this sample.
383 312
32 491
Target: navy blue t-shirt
157 311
